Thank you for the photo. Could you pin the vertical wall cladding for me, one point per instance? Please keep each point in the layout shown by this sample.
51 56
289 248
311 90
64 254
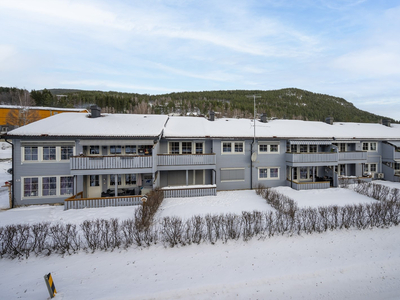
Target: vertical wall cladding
388 152
233 162
37 169
270 160
375 157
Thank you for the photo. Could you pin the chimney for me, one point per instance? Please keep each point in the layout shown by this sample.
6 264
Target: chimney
386 122
329 120
263 118
211 116
95 111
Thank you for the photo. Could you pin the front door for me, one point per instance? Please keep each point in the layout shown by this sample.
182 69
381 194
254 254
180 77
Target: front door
94 186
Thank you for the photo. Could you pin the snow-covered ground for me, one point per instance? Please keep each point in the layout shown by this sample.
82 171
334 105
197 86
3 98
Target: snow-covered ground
347 264
326 197
226 202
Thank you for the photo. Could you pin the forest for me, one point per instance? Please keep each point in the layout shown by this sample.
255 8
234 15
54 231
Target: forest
288 103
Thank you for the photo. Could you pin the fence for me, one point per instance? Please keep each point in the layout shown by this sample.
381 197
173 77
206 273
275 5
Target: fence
78 203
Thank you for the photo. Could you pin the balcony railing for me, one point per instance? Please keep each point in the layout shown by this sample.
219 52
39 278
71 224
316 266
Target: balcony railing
189 191
186 159
358 155
312 157
110 162
77 202
299 186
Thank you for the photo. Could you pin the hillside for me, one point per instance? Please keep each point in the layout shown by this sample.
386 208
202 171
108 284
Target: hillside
289 103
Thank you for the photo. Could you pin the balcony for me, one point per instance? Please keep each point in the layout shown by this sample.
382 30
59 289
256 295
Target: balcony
110 162
179 161
77 202
354 157
312 159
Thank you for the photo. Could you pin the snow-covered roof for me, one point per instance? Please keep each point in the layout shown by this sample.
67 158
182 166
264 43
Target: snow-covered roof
44 108
131 125
187 127
108 125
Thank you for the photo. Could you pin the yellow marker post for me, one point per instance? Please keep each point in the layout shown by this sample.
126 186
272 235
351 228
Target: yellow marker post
50 285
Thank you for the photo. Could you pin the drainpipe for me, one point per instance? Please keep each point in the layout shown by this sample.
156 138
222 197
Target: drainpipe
13 170
251 165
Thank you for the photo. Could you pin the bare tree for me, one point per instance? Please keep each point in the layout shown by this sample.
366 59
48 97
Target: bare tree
22 114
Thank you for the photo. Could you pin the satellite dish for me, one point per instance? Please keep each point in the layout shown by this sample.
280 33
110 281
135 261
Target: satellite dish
254 157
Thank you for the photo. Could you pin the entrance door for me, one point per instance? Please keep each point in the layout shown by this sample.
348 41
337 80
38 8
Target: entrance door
94 186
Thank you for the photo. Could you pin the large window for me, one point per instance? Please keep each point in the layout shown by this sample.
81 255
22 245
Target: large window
185 148
130 179
199 148
47 186
31 153
173 147
47 153
232 147
94 150
232 174
112 179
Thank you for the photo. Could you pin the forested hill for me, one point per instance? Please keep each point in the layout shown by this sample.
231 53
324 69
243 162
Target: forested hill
290 103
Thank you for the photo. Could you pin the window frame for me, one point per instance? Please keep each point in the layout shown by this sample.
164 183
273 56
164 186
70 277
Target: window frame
233 146
266 172
55 185
56 154
268 148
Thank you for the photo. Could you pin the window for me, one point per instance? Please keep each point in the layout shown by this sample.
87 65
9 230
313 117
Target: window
397 166
49 153
303 149
174 147
199 148
268 173
49 186
232 174
226 147
268 148
293 148
31 187
94 180
303 173
370 146
31 153
66 185
67 152
186 147
313 148
263 148
263 173
342 147
94 150
112 179
232 147
130 179
130 149
372 167
115 150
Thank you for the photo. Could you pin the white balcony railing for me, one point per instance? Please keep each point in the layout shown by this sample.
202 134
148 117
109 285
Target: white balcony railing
110 162
186 159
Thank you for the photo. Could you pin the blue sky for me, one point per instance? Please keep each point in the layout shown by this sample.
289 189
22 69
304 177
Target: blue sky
344 48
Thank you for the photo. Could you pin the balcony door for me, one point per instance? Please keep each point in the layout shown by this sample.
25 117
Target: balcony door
94 186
